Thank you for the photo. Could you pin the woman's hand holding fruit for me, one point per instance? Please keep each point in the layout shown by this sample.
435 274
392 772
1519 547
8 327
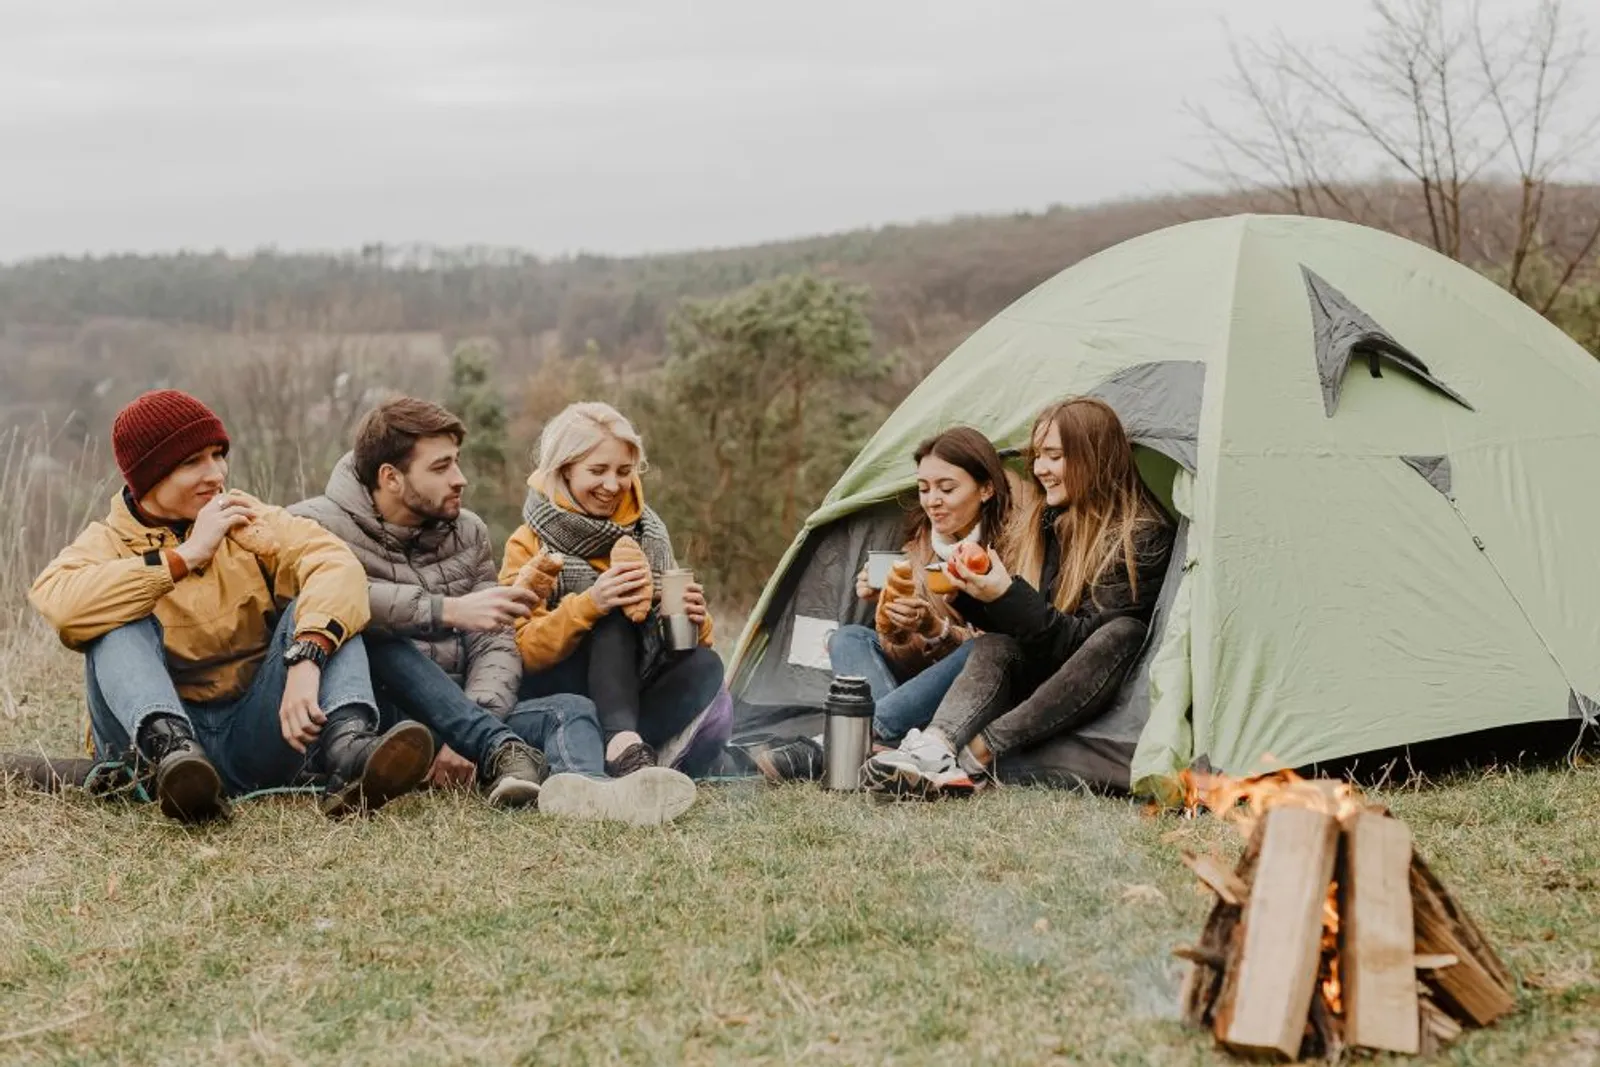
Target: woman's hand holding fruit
987 584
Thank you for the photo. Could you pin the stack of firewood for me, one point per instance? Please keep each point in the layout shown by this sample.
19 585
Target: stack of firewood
1331 933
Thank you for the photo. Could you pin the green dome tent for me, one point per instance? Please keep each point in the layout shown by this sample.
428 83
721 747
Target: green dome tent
1384 471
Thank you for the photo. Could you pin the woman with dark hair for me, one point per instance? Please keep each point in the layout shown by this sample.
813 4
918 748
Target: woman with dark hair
1058 638
918 642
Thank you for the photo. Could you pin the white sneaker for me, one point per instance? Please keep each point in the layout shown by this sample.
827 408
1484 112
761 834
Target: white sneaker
923 766
647 797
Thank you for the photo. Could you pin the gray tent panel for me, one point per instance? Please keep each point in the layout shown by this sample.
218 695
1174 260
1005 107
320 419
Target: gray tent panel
1159 405
1582 707
1341 330
785 697
1436 469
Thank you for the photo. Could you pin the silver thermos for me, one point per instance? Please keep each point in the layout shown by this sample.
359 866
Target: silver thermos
678 631
846 732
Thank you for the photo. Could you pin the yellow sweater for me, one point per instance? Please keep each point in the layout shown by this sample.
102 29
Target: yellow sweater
218 620
550 635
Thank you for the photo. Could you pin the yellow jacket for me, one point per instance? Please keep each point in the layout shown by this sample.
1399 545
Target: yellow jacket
550 635
217 620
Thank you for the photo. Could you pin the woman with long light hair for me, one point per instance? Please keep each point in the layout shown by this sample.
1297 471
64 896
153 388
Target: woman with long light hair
1059 637
597 631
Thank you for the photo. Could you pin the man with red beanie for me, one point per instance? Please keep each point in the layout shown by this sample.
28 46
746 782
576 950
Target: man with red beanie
220 633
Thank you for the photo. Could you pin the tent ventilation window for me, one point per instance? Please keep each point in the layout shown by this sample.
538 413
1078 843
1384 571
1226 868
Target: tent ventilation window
1343 331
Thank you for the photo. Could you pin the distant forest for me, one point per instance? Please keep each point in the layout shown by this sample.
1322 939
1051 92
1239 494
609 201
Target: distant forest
85 334
292 348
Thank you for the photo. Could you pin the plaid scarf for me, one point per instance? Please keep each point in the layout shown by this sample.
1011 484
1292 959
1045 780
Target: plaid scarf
580 538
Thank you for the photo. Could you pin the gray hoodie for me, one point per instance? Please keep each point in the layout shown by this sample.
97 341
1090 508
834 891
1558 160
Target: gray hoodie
410 571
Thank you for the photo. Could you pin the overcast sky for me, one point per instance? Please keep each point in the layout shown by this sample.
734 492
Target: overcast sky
605 125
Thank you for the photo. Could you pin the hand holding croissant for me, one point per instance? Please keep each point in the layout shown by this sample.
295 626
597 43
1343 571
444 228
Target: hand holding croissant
899 585
627 553
253 536
541 573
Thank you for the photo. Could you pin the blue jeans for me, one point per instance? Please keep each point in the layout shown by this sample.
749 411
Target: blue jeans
856 650
127 682
409 685
566 729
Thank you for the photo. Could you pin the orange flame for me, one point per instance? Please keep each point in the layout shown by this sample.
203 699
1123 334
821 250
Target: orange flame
1332 986
1222 794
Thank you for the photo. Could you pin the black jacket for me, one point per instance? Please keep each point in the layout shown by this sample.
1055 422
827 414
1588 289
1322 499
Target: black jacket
1049 637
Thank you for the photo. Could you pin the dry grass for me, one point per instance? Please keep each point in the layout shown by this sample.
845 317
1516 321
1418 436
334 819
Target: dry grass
768 926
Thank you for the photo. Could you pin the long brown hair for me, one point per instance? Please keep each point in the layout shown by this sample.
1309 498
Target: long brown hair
964 447
1107 502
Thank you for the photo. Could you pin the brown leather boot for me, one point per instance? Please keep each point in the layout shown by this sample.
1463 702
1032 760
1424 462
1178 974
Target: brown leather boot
364 769
185 784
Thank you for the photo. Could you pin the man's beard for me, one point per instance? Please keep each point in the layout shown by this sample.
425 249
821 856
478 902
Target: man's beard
437 510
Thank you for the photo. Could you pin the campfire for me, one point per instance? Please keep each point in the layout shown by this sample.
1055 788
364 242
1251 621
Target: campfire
1330 933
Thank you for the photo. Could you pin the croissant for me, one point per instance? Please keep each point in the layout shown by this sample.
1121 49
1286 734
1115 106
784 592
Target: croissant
255 538
540 574
899 584
627 550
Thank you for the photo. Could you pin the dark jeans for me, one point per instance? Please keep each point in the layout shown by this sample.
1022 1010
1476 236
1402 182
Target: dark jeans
127 682
605 668
409 685
1001 695
897 706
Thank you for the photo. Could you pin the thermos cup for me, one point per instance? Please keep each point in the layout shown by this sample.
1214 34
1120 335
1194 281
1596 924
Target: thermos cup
846 732
678 630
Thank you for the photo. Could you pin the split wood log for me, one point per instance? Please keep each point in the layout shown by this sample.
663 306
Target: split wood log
1376 941
1276 947
1434 963
1221 881
1476 989
1434 1028
1203 985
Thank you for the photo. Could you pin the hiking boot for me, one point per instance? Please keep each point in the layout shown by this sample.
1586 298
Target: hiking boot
50 774
799 760
649 796
511 774
923 766
634 758
363 769
185 784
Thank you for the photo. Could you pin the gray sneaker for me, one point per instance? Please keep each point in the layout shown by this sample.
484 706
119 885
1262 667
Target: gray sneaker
649 796
512 774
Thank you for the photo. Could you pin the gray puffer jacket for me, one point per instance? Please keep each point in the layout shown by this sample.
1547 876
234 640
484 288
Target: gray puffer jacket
410 571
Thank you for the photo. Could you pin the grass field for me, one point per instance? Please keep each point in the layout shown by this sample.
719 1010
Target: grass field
769 925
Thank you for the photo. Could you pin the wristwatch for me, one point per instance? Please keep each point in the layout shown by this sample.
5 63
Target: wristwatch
306 650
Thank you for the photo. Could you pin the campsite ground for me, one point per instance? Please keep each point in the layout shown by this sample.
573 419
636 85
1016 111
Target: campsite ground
769 925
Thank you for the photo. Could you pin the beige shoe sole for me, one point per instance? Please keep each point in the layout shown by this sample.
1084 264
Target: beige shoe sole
649 796
513 793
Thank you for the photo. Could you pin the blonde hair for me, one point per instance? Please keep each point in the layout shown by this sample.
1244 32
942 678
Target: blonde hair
1107 503
578 430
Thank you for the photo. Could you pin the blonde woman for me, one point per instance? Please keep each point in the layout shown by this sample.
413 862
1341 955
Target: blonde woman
1058 638
584 495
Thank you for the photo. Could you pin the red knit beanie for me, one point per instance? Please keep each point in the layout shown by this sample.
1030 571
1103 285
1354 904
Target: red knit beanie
158 431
